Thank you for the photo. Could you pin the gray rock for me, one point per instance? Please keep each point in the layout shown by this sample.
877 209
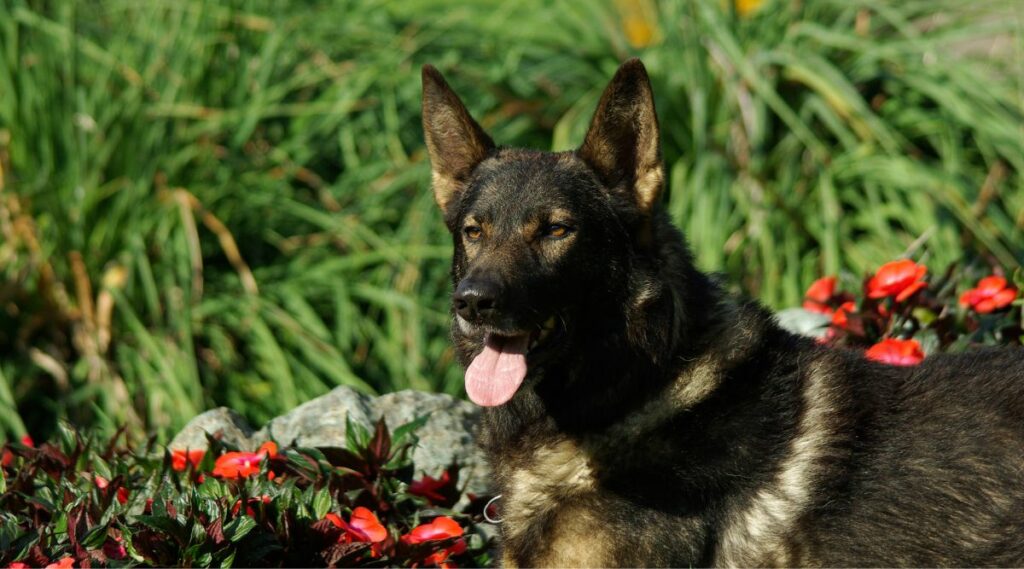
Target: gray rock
232 427
445 438
803 322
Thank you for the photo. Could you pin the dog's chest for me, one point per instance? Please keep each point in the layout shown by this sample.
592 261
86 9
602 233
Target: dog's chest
540 484
551 511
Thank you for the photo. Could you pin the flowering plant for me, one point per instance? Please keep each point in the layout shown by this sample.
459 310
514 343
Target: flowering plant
81 502
904 312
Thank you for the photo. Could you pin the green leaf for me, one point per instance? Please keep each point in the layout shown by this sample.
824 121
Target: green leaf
408 429
95 537
61 523
923 315
126 540
238 528
229 560
166 525
321 503
204 560
356 435
198 533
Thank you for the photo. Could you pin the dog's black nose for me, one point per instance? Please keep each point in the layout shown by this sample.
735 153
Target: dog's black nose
476 299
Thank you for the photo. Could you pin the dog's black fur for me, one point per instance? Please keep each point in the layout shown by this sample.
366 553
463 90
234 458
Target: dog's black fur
663 423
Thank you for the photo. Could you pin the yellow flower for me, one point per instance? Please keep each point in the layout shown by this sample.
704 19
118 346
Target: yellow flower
747 7
639 22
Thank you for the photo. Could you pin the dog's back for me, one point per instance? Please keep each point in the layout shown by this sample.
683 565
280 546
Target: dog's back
937 474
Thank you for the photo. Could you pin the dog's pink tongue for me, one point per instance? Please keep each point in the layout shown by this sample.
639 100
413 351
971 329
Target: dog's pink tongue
495 375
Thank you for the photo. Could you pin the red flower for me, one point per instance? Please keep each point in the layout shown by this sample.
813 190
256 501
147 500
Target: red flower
102 483
243 464
990 294
114 549
819 294
896 352
180 459
249 504
7 457
428 487
440 528
840 319
64 563
899 278
363 527
18 565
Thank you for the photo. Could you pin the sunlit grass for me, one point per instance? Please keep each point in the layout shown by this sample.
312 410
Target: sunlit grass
245 186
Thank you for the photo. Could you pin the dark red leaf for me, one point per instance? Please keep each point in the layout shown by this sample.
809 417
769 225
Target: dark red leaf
36 557
344 458
343 554
325 531
380 443
216 531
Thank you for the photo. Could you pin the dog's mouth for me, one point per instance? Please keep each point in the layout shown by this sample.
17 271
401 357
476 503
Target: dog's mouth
495 374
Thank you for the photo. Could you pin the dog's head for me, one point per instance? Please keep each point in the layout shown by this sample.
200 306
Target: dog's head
540 236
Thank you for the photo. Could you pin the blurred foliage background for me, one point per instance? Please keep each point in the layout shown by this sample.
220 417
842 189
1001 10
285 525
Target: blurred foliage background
227 203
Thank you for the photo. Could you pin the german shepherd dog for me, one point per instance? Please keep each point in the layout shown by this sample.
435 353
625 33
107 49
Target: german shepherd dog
636 415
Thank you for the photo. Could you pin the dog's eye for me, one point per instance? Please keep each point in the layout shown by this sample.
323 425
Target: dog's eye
472 232
557 231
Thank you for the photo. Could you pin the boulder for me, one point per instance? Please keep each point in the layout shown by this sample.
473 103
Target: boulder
445 438
232 428
803 322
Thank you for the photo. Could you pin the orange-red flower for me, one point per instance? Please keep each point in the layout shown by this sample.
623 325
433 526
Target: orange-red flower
180 459
122 495
237 464
18 565
243 464
440 528
819 294
896 352
362 527
65 563
991 294
899 278
268 448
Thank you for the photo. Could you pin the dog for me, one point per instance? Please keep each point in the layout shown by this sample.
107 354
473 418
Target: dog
637 415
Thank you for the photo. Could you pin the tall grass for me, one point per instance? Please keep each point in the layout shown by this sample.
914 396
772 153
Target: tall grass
226 203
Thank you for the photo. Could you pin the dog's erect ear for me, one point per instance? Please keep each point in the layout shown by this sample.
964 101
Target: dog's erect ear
455 142
622 144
